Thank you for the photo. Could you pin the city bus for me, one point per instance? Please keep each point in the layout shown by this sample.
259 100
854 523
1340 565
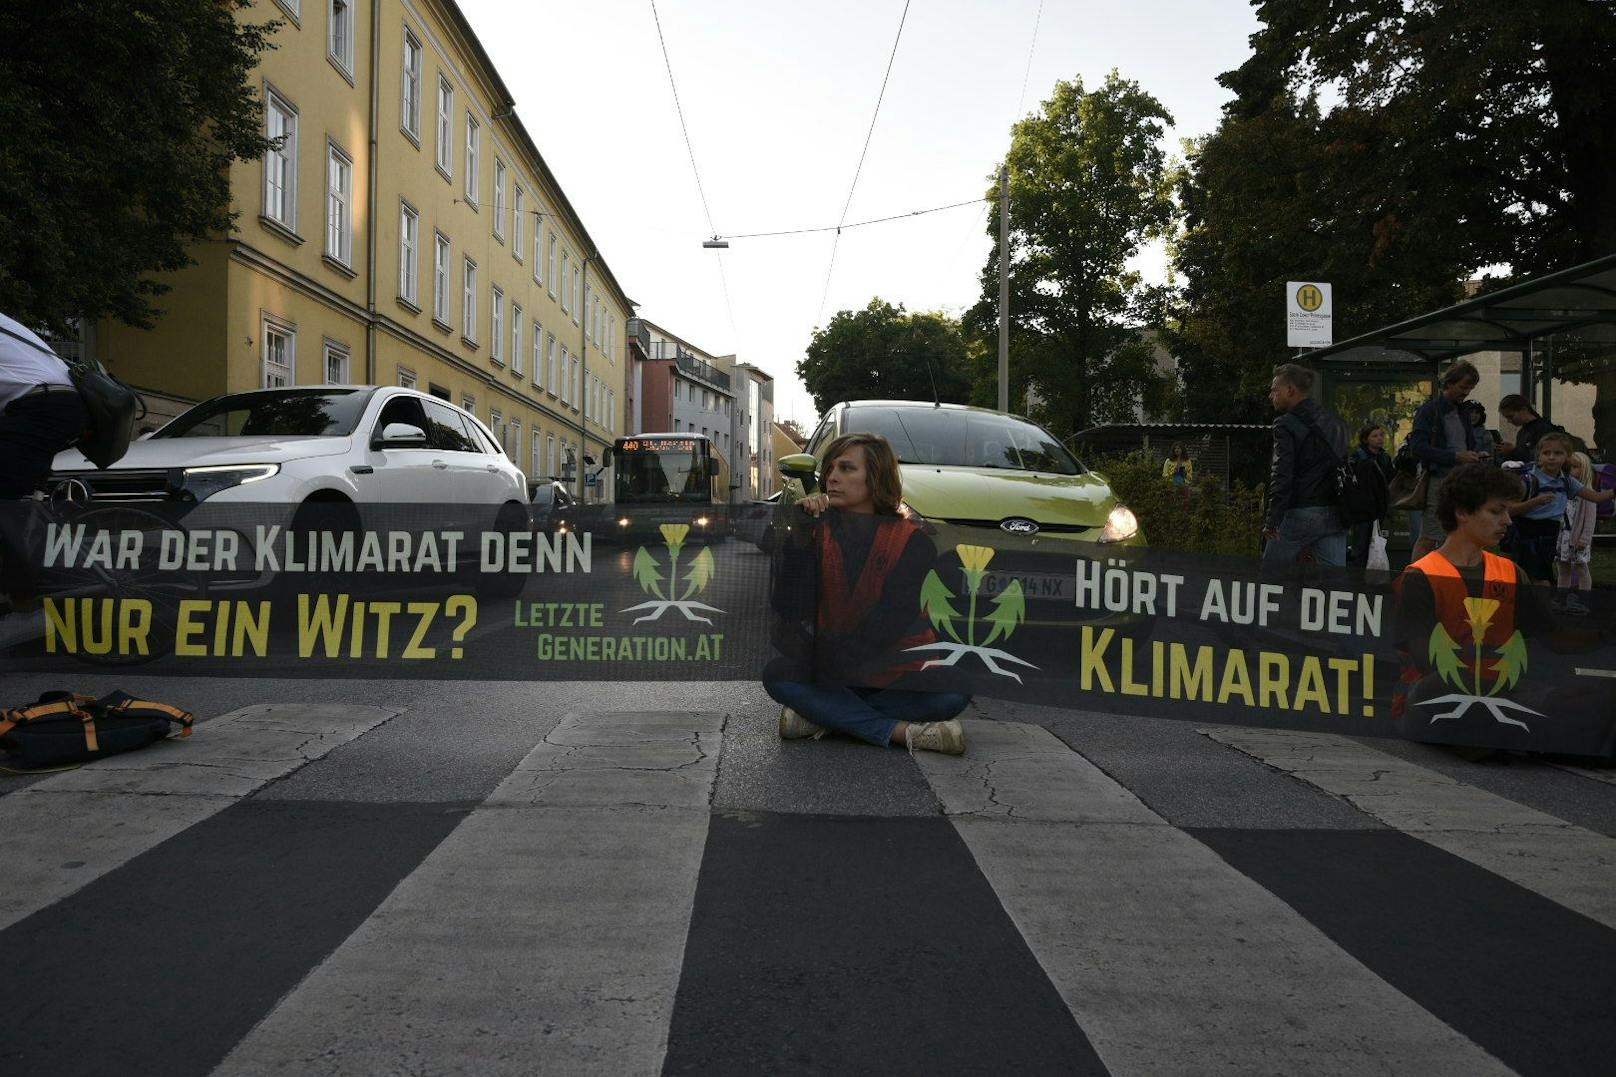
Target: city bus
669 478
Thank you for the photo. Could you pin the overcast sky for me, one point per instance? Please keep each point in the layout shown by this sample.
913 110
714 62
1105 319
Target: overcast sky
778 98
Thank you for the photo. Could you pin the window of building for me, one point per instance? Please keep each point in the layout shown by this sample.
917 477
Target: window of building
577 380
445 146
589 325
550 451
566 260
513 442
538 354
577 280
409 106
611 338
339 205
337 363
496 423
551 285
499 199
409 228
469 403
677 428
280 161
550 364
280 353
406 377
496 336
340 34
468 299
516 338
566 377
594 322
537 474
518 197
473 141
440 277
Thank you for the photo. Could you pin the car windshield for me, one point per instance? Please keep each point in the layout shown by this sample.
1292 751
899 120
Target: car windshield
927 435
290 413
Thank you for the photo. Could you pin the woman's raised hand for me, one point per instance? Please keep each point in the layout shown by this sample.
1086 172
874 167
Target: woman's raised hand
814 504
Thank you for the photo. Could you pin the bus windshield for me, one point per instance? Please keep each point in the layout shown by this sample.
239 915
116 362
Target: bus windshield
662 470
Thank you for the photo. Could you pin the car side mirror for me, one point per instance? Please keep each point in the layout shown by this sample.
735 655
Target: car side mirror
800 466
400 436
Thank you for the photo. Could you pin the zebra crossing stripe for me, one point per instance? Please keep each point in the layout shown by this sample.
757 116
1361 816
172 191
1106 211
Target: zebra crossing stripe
1567 864
1171 961
546 934
112 810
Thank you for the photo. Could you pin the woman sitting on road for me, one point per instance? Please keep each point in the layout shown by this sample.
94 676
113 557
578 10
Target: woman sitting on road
847 591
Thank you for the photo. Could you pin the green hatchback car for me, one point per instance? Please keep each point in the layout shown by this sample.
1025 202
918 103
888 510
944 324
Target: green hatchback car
974 467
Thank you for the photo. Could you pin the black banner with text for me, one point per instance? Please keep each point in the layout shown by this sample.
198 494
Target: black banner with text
648 594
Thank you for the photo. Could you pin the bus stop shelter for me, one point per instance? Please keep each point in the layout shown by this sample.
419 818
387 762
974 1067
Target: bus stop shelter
1563 325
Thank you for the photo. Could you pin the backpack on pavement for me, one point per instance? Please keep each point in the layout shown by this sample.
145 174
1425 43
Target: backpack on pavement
64 727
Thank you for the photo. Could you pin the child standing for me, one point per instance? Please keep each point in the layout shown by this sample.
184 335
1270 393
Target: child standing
1575 547
1538 519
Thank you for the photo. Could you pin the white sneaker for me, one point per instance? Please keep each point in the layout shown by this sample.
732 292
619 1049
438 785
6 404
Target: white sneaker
946 737
794 726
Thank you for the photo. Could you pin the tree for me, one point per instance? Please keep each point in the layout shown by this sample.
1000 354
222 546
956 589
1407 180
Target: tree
885 353
1088 187
120 122
1462 137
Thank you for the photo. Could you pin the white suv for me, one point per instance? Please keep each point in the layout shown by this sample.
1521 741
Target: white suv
294 446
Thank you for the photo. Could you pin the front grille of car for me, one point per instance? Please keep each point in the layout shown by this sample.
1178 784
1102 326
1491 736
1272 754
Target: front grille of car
1043 528
119 486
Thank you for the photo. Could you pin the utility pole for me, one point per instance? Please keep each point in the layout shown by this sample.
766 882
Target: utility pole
1004 288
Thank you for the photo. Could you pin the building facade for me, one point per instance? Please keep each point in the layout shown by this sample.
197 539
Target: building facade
403 230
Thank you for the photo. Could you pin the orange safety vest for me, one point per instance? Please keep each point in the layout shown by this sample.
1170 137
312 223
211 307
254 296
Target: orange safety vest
843 609
1499 581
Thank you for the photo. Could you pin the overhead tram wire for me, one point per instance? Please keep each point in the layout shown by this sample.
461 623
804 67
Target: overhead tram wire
700 190
862 153
856 224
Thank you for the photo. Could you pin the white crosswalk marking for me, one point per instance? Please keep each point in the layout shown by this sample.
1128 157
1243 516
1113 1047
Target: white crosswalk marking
1562 862
545 935
1171 961
68 830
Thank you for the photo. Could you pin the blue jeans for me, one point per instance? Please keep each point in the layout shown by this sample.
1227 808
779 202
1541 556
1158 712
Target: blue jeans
869 714
1311 527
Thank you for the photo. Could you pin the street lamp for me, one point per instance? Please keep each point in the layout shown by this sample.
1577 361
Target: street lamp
715 244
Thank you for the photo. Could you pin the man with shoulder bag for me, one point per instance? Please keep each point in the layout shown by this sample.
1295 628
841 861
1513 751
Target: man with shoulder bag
40 410
1310 445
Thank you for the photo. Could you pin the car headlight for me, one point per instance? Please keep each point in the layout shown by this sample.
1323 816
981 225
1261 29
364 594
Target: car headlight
1121 524
701 521
203 482
907 511
623 522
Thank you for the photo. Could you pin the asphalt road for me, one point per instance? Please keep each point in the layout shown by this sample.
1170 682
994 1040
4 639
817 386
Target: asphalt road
355 877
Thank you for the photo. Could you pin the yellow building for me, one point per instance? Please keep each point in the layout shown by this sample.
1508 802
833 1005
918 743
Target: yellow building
406 231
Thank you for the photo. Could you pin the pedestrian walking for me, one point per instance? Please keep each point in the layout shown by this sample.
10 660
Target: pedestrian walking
40 411
1309 445
1373 466
1540 517
1442 440
1574 548
846 594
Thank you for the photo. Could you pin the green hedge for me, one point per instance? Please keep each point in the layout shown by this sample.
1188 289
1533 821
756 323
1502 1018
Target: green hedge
1206 517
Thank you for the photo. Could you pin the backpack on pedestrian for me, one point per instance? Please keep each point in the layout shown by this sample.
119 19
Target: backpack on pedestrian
1357 500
